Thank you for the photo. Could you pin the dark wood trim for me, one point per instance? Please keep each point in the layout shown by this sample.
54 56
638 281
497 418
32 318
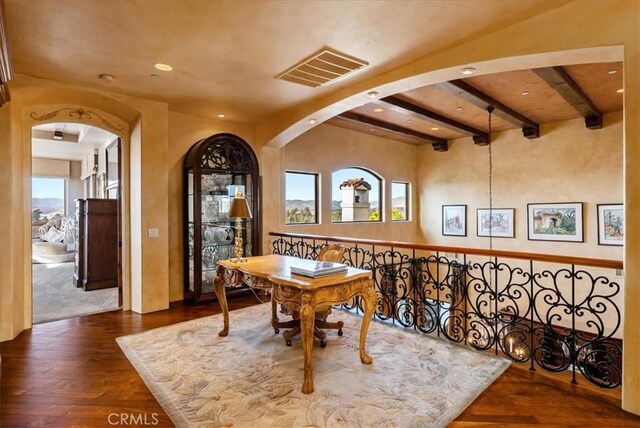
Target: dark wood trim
462 89
6 68
551 258
438 143
410 109
560 81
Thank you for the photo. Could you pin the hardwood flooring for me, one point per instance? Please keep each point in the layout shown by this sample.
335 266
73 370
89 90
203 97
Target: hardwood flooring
72 373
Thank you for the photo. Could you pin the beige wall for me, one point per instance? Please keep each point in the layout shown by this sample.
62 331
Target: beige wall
326 149
568 163
11 246
74 186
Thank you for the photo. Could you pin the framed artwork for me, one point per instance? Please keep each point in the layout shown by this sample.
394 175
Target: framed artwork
555 222
497 222
454 220
610 224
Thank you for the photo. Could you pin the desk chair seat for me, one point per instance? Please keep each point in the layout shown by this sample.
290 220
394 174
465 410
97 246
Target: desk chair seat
328 253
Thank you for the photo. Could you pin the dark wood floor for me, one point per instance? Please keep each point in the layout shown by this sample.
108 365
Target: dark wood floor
72 373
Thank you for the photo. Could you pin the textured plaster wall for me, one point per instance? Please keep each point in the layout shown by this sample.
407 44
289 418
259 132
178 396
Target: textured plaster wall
11 322
326 149
568 163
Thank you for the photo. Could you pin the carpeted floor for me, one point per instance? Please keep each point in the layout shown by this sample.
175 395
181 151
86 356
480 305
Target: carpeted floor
251 379
56 297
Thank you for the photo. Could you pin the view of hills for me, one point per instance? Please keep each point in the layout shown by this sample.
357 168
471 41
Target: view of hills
48 206
335 205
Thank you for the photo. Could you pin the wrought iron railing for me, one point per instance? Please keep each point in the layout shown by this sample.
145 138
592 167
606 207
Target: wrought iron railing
561 314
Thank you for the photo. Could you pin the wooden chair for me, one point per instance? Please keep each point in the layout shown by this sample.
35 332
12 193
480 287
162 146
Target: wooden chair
328 253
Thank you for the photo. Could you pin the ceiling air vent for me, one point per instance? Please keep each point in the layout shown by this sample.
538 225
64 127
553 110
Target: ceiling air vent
321 68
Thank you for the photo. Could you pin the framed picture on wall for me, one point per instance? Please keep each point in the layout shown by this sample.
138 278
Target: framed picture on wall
497 222
454 220
610 224
555 222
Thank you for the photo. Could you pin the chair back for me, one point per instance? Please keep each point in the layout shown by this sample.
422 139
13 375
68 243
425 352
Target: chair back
331 253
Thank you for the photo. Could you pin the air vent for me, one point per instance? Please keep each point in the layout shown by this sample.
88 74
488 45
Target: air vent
321 68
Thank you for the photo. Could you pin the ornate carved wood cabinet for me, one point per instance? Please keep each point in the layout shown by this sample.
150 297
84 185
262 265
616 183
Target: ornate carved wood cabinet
96 261
214 169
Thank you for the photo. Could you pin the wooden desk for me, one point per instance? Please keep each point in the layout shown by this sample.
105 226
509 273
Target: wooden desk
273 273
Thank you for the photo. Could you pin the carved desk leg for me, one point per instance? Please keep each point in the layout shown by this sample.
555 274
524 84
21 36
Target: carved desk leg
369 297
219 287
307 320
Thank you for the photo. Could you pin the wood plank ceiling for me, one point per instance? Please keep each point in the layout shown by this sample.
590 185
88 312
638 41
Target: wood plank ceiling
522 99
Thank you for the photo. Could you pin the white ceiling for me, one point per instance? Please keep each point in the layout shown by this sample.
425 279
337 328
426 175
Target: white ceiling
78 141
226 54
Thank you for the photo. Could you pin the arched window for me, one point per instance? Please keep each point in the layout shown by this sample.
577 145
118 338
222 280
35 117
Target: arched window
356 195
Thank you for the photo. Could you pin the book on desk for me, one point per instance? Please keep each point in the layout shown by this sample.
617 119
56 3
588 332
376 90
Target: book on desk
315 269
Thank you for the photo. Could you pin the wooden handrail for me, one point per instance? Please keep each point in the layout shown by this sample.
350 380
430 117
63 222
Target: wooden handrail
549 258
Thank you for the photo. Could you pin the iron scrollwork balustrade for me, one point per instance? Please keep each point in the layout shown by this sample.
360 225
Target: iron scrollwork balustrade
556 320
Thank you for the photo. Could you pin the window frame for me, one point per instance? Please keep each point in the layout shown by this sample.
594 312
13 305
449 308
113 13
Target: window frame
381 185
407 199
316 196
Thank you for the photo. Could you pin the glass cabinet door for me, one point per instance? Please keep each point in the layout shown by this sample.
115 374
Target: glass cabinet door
214 169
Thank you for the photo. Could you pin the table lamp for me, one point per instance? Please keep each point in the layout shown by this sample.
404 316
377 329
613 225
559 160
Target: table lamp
239 210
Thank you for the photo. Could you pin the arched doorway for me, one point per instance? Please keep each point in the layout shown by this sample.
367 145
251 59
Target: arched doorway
74 221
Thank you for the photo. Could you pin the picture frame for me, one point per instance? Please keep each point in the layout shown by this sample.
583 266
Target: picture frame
560 221
496 222
611 224
454 220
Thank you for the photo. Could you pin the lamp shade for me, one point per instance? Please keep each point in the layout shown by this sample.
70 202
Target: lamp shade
239 208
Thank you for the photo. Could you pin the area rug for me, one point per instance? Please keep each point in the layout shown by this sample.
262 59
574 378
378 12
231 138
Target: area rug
56 297
251 379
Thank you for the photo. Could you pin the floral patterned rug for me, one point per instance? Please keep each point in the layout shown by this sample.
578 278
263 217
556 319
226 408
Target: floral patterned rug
251 379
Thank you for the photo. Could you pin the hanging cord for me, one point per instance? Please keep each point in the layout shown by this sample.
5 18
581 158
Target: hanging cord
490 110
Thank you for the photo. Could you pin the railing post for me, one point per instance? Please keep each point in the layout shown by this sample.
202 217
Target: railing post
496 334
531 308
574 358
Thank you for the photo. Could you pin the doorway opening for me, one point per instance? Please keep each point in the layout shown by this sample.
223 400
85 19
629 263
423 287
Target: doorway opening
74 221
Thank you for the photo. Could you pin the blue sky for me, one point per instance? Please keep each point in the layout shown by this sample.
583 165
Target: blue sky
47 188
300 186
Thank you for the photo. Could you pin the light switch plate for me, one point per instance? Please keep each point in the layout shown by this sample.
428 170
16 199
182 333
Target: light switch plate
153 233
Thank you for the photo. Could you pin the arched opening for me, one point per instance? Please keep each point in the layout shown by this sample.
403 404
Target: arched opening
42 118
74 247
356 195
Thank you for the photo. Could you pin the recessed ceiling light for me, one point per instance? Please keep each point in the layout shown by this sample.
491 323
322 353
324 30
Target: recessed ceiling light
371 129
435 128
312 121
163 67
221 115
612 71
524 93
408 120
107 77
373 94
467 70
621 90
458 108
154 76
378 110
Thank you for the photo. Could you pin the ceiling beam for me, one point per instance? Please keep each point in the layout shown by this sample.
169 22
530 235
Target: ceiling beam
399 105
559 80
462 89
438 144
